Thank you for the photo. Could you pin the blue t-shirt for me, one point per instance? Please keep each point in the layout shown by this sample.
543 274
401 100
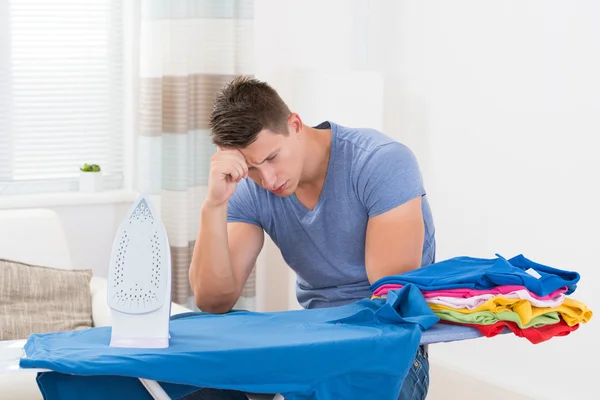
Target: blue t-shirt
358 351
486 273
368 174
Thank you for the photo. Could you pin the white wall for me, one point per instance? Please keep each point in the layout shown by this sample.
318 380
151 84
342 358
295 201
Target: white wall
501 103
505 98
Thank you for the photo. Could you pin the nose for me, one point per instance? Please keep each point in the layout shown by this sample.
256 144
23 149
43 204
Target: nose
268 178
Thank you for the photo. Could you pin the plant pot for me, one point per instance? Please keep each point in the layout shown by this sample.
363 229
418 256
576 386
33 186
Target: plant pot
90 182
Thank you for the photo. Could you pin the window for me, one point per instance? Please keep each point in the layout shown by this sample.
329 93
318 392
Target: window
61 93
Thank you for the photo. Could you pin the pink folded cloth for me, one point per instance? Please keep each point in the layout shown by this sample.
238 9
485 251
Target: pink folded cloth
473 302
466 293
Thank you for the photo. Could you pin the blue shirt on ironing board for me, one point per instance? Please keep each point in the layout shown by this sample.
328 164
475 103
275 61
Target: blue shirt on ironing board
483 273
302 354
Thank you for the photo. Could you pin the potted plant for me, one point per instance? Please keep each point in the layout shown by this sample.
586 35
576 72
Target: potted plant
90 178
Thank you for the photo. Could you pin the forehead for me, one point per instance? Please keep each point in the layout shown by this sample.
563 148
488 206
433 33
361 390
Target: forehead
262 147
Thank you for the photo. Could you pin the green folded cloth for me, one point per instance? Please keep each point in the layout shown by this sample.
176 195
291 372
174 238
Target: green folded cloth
489 318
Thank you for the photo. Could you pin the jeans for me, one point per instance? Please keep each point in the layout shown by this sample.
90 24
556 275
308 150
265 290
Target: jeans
415 386
416 383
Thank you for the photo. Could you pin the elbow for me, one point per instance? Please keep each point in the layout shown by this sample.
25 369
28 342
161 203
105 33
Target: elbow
215 309
211 298
212 301
213 305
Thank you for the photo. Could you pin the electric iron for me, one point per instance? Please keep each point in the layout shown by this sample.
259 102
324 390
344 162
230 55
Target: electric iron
139 280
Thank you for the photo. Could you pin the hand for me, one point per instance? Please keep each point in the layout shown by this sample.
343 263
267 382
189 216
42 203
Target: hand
227 168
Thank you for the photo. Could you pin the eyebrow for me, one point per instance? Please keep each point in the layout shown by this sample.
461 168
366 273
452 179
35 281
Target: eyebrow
267 157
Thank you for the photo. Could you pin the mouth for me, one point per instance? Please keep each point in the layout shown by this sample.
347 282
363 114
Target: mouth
280 189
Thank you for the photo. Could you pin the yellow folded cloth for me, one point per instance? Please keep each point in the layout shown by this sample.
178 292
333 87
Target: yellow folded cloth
572 311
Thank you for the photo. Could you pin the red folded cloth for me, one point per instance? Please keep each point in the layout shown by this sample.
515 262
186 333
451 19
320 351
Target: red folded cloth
534 335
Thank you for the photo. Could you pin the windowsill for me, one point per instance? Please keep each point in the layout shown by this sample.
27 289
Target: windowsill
67 199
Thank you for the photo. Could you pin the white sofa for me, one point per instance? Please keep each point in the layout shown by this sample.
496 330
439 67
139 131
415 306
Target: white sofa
35 236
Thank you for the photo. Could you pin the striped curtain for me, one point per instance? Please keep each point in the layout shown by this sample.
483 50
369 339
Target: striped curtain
188 50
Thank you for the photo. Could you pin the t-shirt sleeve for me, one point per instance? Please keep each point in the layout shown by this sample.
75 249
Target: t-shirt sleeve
242 205
389 177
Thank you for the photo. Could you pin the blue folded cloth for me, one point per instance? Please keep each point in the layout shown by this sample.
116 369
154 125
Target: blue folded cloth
357 351
486 273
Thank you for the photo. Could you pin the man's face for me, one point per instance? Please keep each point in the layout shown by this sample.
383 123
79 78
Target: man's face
275 161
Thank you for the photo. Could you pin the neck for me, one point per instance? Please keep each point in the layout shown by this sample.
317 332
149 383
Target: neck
318 145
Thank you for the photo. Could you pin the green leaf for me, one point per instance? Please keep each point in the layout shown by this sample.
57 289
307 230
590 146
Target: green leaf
90 168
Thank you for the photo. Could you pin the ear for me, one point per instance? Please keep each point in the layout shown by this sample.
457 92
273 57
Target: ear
295 123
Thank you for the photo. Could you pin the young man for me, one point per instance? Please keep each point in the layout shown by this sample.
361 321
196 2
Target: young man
346 207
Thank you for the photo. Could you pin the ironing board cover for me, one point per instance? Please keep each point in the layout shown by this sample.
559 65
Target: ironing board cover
357 351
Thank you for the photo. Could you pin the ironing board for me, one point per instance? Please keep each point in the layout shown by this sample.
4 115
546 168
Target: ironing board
12 351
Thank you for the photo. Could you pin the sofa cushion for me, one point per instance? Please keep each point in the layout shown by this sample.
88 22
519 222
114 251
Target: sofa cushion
38 299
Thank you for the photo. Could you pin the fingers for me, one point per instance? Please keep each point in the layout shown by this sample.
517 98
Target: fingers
237 172
244 169
231 164
240 164
240 168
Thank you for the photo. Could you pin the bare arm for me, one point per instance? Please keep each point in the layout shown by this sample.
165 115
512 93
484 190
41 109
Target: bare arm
224 253
394 241
223 258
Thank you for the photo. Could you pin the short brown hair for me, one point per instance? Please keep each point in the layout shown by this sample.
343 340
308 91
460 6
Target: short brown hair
243 108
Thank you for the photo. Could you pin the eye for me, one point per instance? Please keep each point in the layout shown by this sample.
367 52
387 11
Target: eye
272 157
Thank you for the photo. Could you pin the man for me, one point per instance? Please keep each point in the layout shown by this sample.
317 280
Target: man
345 206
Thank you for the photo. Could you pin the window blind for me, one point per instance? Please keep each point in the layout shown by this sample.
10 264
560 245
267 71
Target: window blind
61 93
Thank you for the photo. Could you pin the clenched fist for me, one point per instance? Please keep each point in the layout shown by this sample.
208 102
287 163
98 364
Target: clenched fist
227 168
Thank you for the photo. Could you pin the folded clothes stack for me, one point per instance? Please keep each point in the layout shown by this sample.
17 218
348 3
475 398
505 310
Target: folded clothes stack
530 299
